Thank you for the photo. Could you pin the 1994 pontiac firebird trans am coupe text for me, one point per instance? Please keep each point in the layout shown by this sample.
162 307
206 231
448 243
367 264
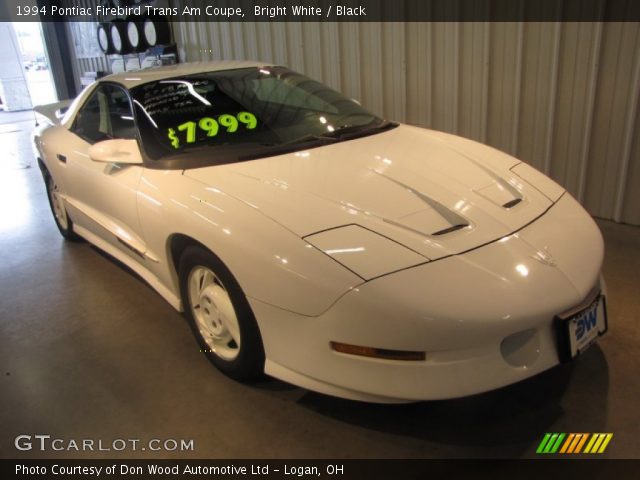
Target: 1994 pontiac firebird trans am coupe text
306 238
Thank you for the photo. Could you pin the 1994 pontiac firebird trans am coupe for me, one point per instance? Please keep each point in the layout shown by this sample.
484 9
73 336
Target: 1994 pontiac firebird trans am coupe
307 238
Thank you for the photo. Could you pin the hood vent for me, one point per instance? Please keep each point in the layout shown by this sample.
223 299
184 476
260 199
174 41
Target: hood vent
499 189
455 221
512 203
451 229
501 193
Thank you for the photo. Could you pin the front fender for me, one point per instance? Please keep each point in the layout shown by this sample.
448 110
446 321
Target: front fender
270 263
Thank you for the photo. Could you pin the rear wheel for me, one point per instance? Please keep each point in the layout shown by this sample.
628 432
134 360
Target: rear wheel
220 315
56 202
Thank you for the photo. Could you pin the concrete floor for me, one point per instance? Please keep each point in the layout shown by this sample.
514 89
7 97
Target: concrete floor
88 350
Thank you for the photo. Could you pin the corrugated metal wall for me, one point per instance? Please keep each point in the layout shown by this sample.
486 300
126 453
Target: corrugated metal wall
560 96
92 64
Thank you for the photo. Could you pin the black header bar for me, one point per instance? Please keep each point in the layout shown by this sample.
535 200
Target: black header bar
328 10
311 469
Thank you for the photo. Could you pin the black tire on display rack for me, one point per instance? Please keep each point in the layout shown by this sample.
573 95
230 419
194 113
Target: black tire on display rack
104 38
157 30
135 33
119 37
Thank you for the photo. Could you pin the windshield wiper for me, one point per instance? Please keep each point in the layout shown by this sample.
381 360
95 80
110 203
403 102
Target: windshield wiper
345 133
310 137
340 133
349 130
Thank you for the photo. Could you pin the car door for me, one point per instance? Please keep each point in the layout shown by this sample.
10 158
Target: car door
102 197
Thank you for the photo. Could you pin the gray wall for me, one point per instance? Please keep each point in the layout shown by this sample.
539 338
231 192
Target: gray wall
560 96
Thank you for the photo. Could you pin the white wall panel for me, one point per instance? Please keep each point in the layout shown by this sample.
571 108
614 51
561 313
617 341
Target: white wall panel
561 96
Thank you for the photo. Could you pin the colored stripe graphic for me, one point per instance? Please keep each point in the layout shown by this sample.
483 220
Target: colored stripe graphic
605 443
573 443
555 447
581 443
577 437
543 442
550 443
567 443
599 442
590 444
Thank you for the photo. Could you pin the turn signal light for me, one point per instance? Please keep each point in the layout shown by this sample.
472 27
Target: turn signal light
378 352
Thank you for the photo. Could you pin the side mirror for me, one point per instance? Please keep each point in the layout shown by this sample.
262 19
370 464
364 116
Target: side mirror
116 151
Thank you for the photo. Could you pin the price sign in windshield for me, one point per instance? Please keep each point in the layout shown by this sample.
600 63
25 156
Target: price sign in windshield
208 127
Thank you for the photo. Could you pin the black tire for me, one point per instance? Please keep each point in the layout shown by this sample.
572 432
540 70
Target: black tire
243 361
120 37
63 222
157 30
103 37
135 33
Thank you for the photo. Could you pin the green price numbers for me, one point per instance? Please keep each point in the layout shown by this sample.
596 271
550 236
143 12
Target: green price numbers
210 127
228 121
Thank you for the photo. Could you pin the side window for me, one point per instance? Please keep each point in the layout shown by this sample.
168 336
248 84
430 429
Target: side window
107 114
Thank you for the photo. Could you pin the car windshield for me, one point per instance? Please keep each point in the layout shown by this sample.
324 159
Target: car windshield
238 114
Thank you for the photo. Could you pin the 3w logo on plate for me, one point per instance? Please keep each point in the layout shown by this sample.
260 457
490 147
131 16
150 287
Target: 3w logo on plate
574 443
586 323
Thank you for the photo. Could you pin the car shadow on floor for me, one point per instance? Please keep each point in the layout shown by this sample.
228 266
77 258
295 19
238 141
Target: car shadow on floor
507 422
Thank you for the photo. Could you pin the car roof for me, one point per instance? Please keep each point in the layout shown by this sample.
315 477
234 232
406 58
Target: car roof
138 77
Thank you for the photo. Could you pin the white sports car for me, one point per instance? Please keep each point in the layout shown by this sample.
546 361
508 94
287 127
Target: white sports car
305 237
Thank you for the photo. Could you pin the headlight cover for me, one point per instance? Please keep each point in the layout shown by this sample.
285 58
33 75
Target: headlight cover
365 252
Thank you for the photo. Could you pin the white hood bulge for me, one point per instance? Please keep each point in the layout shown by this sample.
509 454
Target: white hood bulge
435 193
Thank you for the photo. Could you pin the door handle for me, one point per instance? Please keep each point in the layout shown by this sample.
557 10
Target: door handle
61 157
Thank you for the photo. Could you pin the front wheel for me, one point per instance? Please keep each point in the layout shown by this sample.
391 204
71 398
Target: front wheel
220 315
56 202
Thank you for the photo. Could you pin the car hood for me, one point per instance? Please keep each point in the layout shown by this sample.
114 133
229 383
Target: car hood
435 193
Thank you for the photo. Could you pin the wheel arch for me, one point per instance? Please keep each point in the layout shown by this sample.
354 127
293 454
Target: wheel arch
43 167
177 243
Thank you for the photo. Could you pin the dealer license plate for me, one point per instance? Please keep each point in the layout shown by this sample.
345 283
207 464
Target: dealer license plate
578 330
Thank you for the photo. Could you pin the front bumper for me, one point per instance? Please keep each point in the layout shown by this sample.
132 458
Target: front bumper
484 318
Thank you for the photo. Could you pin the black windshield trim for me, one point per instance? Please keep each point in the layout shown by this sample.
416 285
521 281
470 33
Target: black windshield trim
203 158
319 142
